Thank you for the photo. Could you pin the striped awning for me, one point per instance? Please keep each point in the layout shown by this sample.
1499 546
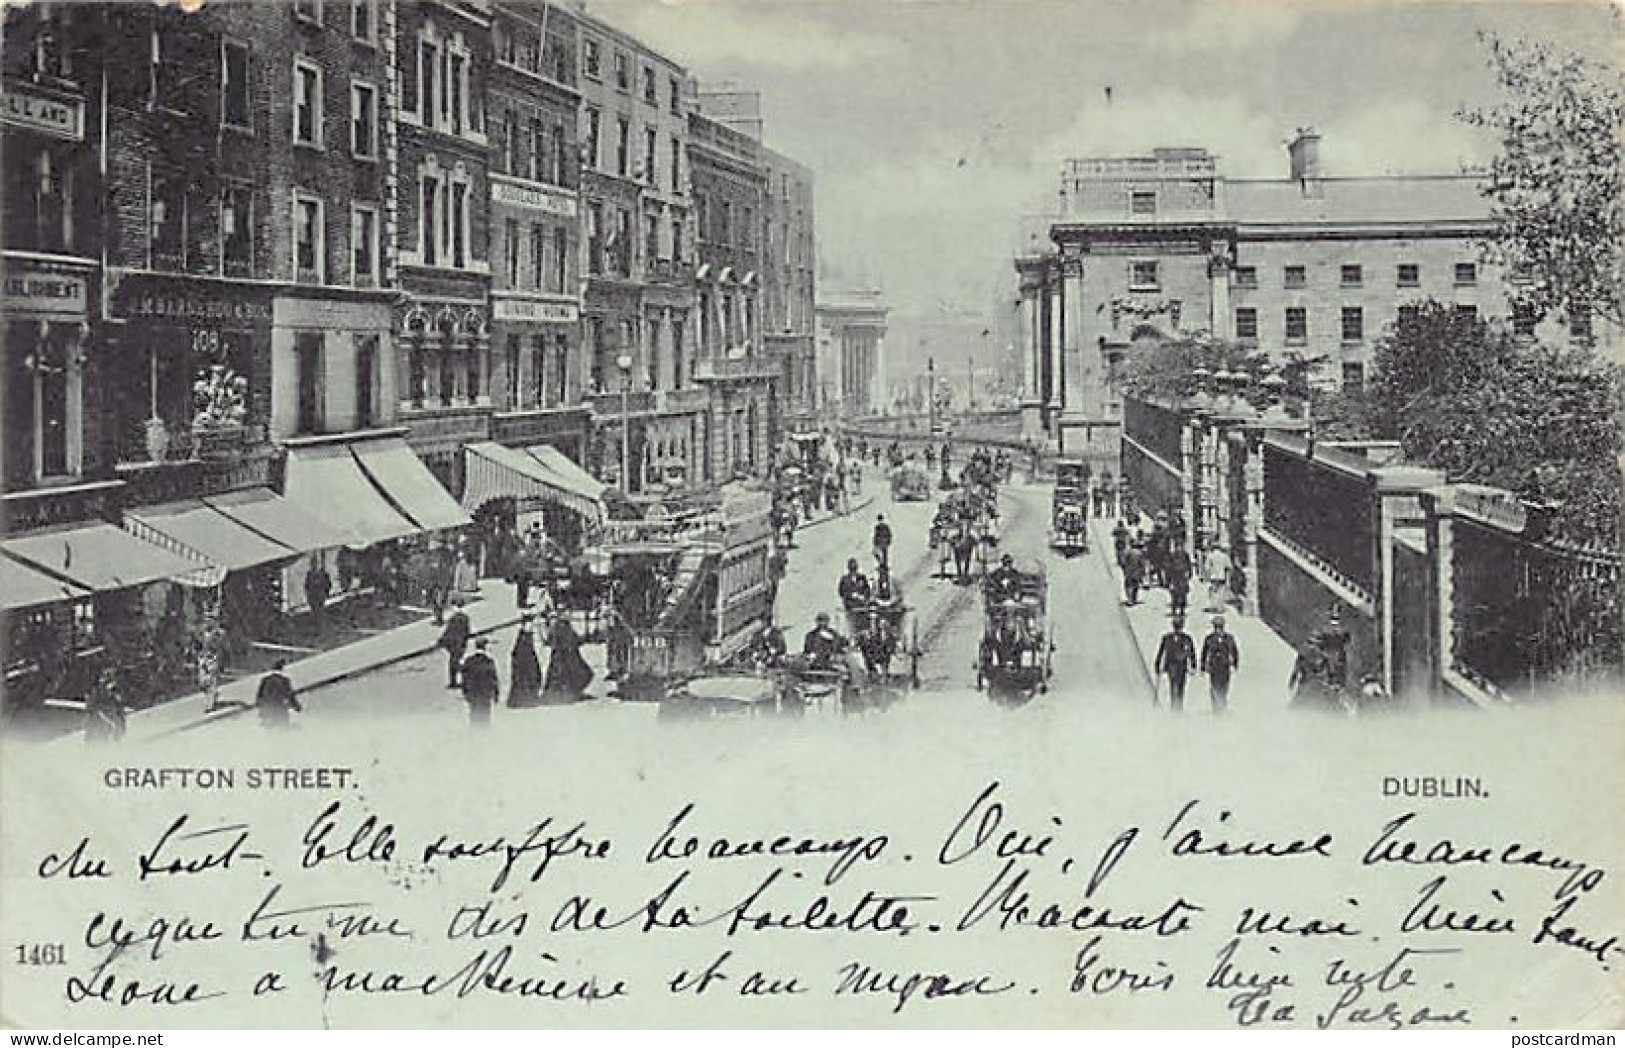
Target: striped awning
100 557
22 587
198 530
493 471
410 486
326 481
584 483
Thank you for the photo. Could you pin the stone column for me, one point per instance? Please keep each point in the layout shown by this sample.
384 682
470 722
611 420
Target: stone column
1084 399
882 388
1057 373
1028 344
1218 273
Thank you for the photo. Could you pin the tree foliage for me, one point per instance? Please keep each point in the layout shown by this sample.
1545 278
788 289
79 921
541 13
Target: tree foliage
1555 185
1467 397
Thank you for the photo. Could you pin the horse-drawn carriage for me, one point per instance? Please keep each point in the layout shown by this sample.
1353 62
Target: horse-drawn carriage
886 636
909 483
1069 507
962 533
1014 657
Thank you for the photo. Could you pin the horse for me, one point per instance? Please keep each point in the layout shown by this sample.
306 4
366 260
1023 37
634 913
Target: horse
964 545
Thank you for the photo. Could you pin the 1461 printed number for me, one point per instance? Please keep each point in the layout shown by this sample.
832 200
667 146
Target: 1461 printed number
41 954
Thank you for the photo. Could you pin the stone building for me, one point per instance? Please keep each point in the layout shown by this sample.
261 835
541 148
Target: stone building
730 205
852 354
535 176
1308 266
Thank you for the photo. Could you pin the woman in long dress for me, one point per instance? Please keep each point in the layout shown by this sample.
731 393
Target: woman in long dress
525 678
567 672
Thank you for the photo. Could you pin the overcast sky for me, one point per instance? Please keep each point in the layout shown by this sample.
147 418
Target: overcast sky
932 125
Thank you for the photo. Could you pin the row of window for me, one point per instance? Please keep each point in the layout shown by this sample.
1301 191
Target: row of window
592 64
363 17
717 225
548 382
1295 322
540 152
549 252
1352 274
1146 275
647 169
178 228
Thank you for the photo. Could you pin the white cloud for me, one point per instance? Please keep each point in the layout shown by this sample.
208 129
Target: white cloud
704 34
1230 28
1245 138
1401 136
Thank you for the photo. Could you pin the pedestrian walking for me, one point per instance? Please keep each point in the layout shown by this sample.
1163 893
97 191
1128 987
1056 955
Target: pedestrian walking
1177 567
275 699
524 668
1133 574
1220 659
1216 570
1176 659
454 640
104 711
318 585
567 672
481 685
882 541
1120 541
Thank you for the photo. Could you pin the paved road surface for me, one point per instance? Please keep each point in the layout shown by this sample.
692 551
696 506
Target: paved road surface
1096 661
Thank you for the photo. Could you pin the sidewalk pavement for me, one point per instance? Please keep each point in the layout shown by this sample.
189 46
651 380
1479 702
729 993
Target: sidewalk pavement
1260 682
854 506
495 608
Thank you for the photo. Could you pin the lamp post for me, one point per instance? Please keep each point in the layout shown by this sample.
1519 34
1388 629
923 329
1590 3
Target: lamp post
931 394
624 362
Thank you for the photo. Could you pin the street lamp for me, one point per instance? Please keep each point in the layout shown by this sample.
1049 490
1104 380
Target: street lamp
624 362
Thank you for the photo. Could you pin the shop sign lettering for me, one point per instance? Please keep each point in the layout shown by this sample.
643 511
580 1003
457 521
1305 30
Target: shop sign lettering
37 293
21 108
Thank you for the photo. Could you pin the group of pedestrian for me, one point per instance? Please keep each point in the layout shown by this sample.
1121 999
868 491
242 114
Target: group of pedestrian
475 673
1177 660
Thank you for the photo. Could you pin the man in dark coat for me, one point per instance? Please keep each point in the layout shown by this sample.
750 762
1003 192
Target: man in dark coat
822 645
1133 574
1176 658
481 685
275 698
882 541
1220 659
1004 583
454 639
317 586
854 587
1120 541
1177 569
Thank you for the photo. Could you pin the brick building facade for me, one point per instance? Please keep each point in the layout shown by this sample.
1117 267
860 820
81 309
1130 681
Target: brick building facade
536 386
730 206
442 61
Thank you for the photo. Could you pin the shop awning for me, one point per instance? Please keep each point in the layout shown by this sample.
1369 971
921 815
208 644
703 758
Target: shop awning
99 557
23 587
326 481
267 513
201 529
409 484
494 471
580 481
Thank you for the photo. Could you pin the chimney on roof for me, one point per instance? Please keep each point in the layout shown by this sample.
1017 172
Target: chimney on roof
1304 152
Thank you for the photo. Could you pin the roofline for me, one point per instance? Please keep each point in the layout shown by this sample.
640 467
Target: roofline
592 21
